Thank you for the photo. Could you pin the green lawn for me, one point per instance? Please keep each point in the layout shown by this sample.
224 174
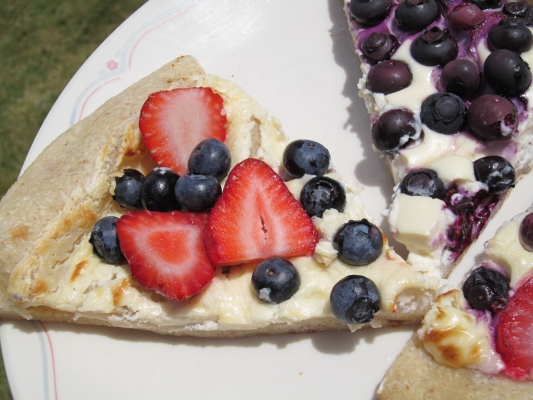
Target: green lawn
42 45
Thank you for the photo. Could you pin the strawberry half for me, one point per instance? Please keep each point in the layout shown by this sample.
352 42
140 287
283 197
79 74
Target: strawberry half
257 217
173 122
514 337
166 251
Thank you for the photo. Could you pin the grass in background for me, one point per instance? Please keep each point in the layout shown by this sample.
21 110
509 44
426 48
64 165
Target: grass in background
42 45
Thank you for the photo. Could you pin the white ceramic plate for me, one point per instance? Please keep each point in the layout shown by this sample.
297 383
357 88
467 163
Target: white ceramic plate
296 59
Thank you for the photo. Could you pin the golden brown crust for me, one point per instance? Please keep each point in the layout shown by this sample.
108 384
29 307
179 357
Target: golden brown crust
416 375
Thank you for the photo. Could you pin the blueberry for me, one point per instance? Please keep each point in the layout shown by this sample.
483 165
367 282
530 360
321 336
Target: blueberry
423 182
105 241
486 4
128 189
414 15
275 280
369 12
434 47
355 300
358 242
466 16
389 76
461 77
443 113
305 157
158 190
197 192
495 172
486 289
507 72
517 9
320 194
511 34
210 157
394 129
492 117
379 46
526 232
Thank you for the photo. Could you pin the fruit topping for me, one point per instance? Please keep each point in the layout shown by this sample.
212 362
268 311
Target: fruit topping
320 194
443 113
275 280
434 47
173 122
517 9
495 172
526 232
158 190
461 77
354 300
423 182
394 129
515 332
389 76
128 189
486 4
492 117
105 240
358 242
507 72
166 252
486 289
511 34
305 157
369 12
379 46
414 15
256 218
466 16
210 157
197 192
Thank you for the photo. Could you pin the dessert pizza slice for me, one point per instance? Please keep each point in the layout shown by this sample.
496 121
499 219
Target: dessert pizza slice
448 87
476 341
133 229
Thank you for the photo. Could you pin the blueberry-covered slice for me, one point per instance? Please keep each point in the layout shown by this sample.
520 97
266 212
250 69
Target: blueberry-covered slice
158 190
379 46
511 34
434 47
369 12
358 242
486 4
461 77
414 15
394 129
507 72
486 289
197 192
128 189
275 280
320 194
443 113
495 172
389 76
526 232
466 16
423 182
355 299
306 157
492 117
210 157
105 240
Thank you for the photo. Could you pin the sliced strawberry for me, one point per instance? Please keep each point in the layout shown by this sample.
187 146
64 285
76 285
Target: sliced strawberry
166 251
514 337
173 122
256 217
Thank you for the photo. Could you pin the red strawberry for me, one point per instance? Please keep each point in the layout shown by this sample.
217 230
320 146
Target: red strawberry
256 217
173 122
514 337
166 251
